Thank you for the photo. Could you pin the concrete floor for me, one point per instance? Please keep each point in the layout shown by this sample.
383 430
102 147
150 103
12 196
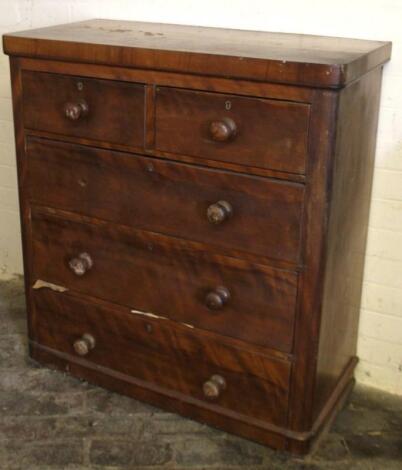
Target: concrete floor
51 421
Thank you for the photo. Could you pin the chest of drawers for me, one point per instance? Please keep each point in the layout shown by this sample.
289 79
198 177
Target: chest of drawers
194 207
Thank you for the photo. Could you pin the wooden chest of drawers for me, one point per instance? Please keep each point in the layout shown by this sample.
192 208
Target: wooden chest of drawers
194 208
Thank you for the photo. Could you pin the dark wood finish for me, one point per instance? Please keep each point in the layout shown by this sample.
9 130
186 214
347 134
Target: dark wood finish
250 131
205 411
267 90
170 156
322 138
155 274
170 198
84 107
272 57
179 80
347 231
161 354
22 171
215 235
149 130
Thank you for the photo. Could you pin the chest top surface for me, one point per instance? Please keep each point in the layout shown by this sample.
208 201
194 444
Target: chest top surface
264 56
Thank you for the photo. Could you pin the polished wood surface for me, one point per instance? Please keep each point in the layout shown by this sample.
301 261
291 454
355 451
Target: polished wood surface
277 57
160 353
83 107
164 277
196 200
250 131
166 197
205 411
347 231
176 79
315 218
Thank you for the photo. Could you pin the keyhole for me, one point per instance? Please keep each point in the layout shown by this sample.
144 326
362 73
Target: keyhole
228 105
80 86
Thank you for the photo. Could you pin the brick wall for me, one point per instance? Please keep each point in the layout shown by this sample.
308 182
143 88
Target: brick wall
380 339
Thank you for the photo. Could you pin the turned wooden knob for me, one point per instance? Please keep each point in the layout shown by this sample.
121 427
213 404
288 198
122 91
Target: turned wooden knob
223 130
75 110
81 264
219 212
83 345
216 299
213 387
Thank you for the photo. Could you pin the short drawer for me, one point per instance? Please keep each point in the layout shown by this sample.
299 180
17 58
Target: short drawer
230 211
199 365
167 278
254 132
100 110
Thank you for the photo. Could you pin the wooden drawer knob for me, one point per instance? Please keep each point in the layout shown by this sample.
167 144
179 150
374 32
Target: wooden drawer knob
213 387
216 299
75 110
83 345
219 212
223 130
81 264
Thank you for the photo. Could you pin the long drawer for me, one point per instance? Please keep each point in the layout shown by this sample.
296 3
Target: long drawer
248 131
167 277
172 357
230 211
99 110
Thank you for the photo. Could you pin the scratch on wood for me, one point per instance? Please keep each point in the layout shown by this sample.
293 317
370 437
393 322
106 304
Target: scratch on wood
148 314
159 317
39 284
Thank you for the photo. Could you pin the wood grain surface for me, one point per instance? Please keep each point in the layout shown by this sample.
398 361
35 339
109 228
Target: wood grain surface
167 278
276 57
115 109
162 353
169 198
194 206
269 134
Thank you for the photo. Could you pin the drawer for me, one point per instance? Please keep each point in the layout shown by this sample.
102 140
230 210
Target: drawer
230 211
166 355
100 110
167 278
254 132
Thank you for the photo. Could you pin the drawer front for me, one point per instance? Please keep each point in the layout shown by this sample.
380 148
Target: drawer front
229 211
166 355
151 273
248 131
100 110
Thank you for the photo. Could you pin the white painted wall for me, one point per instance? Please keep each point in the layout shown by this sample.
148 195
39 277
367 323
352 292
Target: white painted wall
380 340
